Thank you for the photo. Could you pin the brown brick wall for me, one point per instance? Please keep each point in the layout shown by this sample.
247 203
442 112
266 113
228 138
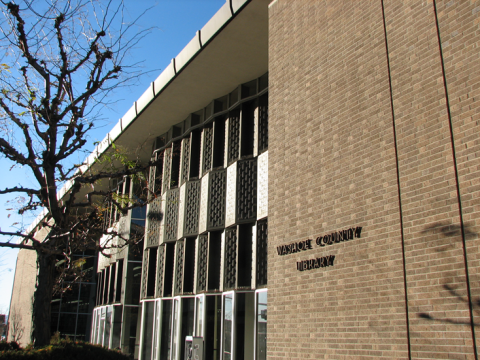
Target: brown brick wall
434 253
333 165
459 32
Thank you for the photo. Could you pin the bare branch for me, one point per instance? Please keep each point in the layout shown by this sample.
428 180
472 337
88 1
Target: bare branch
20 189
24 47
15 246
63 67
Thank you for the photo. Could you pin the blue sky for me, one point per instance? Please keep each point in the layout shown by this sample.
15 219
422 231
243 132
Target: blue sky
175 23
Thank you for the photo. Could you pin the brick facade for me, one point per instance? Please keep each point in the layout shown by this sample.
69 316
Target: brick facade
360 136
332 184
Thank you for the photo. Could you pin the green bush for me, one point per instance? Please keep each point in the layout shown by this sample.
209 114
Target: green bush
64 349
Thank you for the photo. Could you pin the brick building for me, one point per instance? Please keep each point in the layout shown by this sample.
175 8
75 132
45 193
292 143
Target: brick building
349 130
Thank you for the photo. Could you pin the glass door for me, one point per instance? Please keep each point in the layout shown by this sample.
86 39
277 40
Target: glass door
176 328
148 309
108 327
157 330
101 325
199 315
187 323
261 325
96 320
165 332
244 326
227 326
116 326
238 326
212 326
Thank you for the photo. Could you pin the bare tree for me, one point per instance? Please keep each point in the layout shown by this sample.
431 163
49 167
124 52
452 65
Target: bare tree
61 59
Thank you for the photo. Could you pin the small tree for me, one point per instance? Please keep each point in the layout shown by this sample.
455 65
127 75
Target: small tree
61 61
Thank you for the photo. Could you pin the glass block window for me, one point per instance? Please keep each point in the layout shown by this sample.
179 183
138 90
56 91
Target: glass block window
179 255
207 149
262 252
230 259
202 263
217 200
233 135
263 123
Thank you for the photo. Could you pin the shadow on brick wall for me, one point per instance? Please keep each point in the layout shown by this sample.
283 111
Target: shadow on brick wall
447 231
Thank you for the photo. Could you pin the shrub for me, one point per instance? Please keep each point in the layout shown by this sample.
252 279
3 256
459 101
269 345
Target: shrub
13 345
64 349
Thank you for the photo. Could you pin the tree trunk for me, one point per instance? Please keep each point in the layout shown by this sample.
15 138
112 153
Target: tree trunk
42 299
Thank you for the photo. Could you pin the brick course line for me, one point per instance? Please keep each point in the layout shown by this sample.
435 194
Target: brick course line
457 183
398 184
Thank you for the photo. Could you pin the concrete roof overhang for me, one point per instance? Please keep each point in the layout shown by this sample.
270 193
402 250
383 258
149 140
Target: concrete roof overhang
236 54
231 49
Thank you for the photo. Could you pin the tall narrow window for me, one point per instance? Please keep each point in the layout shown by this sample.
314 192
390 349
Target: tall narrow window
213 324
116 210
230 259
111 292
261 326
187 321
160 268
108 327
148 317
168 277
166 334
118 287
247 134
214 256
111 217
195 155
262 252
263 123
139 213
185 165
202 264
133 282
126 186
189 265
152 267
129 334
101 326
199 313
175 170
96 333
233 135
156 329
158 173
179 266
99 288
106 287
116 326
207 148
219 142
176 327
245 239
227 326
244 325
